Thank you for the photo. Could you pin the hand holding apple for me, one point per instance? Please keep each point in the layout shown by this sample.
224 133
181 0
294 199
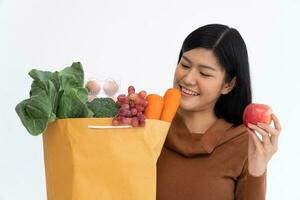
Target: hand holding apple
257 118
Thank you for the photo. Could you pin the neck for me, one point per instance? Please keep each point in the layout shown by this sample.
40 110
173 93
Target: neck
198 121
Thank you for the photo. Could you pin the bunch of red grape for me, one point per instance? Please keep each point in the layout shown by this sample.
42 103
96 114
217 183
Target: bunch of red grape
131 108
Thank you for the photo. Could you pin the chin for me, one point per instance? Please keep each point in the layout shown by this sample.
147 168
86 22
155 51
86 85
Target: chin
187 108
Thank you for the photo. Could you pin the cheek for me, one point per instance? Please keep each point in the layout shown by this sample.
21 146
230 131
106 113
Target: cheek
211 88
178 74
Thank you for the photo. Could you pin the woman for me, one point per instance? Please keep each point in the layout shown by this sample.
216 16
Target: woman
208 153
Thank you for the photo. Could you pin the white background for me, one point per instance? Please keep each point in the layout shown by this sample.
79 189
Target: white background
138 42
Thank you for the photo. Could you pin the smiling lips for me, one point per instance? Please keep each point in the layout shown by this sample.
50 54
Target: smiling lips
188 92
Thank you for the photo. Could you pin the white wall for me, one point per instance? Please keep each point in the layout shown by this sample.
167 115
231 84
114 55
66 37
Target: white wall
139 42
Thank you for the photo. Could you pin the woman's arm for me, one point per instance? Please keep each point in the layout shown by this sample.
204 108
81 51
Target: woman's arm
249 187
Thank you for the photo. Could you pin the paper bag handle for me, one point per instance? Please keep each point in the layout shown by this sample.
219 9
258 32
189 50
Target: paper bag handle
108 127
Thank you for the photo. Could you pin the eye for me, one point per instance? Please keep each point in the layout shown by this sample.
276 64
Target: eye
185 66
204 74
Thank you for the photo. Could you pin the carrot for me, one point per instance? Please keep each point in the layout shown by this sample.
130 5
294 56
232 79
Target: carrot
171 104
154 106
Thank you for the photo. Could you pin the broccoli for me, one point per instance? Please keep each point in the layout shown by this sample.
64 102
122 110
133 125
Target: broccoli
103 107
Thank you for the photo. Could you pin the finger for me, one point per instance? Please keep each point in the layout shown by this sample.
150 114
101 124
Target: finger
276 122
263 133
257 142
251 144
272 131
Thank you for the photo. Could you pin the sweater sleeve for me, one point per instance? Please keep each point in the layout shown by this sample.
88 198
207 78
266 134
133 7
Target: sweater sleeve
250 187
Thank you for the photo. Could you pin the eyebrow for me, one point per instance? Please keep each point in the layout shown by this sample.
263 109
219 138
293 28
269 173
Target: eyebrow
199 65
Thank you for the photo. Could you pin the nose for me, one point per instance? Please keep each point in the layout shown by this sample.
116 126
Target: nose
190 78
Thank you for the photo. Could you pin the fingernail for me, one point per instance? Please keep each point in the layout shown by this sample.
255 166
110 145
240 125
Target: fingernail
249 124
259 124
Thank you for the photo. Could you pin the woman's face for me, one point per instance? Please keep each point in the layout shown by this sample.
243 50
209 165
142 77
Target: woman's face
200 78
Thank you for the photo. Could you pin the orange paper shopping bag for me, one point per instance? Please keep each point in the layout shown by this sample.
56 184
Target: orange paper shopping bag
86 162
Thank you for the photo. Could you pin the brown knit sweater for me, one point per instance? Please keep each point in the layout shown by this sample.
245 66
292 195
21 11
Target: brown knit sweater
209 166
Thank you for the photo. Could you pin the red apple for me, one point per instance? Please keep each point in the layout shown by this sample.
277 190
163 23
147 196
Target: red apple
255 112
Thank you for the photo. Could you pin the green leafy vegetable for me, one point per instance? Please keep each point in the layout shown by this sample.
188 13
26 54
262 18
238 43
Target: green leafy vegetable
71 77
54 95
48 87
35 113
73 104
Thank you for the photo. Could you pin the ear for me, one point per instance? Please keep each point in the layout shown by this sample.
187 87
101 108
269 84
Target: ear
229 86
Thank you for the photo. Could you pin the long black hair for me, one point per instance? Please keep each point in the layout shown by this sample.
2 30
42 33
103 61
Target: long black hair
230 49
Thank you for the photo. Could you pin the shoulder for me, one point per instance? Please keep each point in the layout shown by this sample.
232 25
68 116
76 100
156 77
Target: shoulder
235 134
